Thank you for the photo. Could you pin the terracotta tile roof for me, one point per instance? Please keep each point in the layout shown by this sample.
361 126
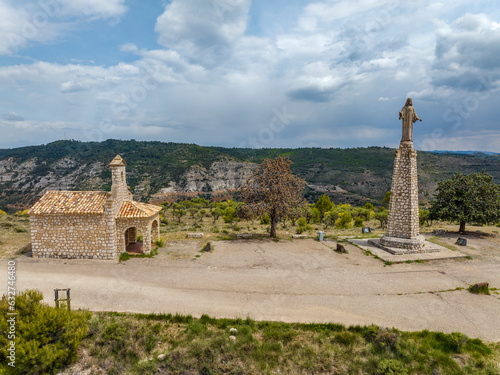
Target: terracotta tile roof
70 202
137 209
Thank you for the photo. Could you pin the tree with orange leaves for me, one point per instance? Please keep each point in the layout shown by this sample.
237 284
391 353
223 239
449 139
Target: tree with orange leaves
274 190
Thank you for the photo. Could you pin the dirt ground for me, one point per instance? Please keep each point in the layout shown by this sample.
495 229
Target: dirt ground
292 281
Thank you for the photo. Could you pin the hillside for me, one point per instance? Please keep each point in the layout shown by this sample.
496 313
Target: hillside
156 170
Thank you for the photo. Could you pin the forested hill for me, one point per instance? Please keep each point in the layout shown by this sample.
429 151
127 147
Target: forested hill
157 169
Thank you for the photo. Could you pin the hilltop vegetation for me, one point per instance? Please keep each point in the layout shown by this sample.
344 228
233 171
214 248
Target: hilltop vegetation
347 175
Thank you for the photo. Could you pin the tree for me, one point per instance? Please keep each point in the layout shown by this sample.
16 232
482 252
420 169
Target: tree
386 199
369 206
323 204
382 216
216 213
472 198
178 211
273 189
423 216
229 214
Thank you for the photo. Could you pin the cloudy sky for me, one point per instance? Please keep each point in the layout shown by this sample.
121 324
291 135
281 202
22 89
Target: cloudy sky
260 73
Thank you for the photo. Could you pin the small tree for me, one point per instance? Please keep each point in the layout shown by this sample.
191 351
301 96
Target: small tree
472 198
323 204
229 214
178 211
423 216
216 213
382 216
386 199
369 206
273 189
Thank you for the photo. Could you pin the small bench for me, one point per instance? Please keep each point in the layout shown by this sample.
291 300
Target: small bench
195 235
299 236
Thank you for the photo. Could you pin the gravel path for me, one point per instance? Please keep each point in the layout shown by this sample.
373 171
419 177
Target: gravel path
299 281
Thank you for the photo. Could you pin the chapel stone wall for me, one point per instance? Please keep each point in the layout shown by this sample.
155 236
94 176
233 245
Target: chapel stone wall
71 236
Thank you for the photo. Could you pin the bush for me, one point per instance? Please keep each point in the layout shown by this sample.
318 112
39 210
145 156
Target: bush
391 367
2 213
160 242
303 226
302 222
229 215
236 228
47 338
265 220
124 256
479 289
344 221
358 222
23 213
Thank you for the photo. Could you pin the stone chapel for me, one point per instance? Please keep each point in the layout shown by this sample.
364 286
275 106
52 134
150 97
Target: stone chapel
92 224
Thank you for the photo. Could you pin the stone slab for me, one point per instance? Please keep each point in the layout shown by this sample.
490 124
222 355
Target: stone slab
438 253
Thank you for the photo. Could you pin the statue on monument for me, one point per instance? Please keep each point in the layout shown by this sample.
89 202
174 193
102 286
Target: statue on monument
409 116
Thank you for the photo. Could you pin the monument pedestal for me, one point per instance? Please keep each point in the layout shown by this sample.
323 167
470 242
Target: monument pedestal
403 222
415 243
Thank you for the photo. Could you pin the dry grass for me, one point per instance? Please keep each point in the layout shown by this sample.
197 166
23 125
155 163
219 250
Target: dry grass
14 235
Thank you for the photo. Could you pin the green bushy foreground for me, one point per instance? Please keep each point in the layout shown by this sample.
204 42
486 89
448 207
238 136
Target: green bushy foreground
117 343
46 338
123 343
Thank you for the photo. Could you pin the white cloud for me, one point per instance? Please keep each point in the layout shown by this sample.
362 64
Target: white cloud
26 22
21 25
342 68
204 31
93 8
12 116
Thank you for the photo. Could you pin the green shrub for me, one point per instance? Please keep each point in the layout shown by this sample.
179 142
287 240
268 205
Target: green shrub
302 222
391 367
47 338
124 256
303 226
265 220
344 221
358 222
160 242
139 238
229 215
236 228
479 289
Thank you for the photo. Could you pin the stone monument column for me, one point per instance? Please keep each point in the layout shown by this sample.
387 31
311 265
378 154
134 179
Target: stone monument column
403 223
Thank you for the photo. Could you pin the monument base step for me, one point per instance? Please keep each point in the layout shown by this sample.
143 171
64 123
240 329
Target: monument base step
439 253
400 246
